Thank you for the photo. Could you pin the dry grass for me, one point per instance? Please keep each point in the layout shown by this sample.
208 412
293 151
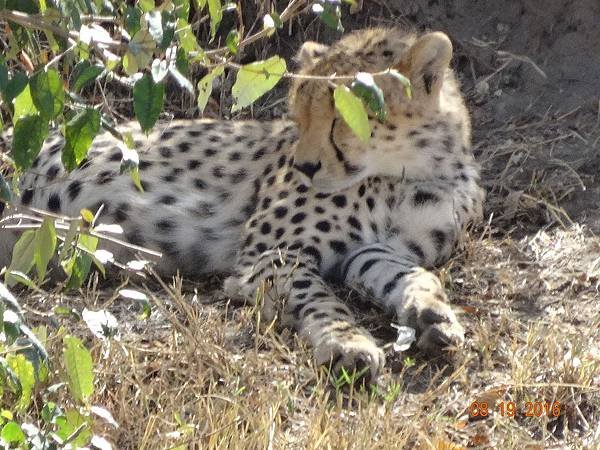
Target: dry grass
204 373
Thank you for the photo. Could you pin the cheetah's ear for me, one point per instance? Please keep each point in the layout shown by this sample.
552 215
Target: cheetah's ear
428 59
310 53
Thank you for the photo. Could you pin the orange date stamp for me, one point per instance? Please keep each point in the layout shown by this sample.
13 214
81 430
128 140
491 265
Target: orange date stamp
510 409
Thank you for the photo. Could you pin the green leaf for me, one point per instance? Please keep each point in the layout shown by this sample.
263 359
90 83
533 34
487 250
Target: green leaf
181 62
87 215
79 368
45 245
14 87
68 243
11 324
132 20
205 86
366 89
84 74
24 104
233 41
215 11
3 74
29 134
15 276
49 412
48 93
78 267
148 100
22 256
255 79
139 52
74 428
186 36
352 111
330 13
146 5
182 9
12 434
404 80
80 132
23 369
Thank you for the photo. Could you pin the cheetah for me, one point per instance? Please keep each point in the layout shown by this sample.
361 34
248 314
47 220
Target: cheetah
286 206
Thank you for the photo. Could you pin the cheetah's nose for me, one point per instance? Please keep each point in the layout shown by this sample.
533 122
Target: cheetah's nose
309 169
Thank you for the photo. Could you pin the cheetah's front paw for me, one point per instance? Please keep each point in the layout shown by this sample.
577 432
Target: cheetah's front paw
437 326
357 353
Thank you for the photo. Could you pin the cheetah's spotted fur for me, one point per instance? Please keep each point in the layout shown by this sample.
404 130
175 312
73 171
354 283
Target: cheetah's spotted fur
292 202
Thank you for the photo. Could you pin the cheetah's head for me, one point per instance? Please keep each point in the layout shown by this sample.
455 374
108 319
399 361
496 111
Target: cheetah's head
328 152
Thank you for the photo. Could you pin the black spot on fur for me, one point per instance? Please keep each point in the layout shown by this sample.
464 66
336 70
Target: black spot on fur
298 217
416 249
165 225
313 252
167 200
27 196
280 212
116 156
144 165
338 246
235 156
354 223
194 164
259 153
184 147
300 201
239 176
439 239
165 152
423 197
323 226
279 232
265 228
210 152
120 212
134 236
104 177
74 189
370 203
339 200
52 172
54 203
